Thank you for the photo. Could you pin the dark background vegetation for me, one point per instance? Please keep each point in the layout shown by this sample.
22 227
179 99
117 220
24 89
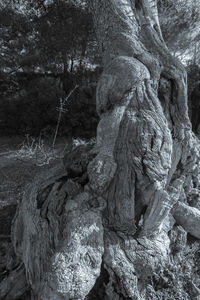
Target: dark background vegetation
49 47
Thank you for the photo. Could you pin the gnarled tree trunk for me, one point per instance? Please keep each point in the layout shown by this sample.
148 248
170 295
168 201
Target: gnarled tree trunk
146 144
107 226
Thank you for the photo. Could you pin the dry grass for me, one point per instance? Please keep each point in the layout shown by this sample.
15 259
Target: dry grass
36 150
20 162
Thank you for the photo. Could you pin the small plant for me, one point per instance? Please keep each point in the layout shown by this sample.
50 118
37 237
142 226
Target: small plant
78 142
36 150
61 109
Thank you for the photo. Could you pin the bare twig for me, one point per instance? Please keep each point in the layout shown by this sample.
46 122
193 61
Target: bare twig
61 110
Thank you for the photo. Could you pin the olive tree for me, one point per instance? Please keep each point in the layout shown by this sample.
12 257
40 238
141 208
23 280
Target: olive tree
106 222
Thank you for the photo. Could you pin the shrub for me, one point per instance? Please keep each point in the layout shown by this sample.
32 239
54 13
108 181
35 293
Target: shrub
32 109
36 150
33 106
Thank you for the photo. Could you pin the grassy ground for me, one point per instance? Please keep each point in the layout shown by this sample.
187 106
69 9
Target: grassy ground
21 159
20 162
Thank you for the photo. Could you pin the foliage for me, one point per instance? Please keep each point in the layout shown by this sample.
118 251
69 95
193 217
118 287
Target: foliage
51 37
45 38
81 119
35 150
16 36
63 33
193 71
33 107
180 23
58 35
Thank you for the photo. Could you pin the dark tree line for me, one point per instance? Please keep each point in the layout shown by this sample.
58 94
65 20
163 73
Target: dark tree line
52 45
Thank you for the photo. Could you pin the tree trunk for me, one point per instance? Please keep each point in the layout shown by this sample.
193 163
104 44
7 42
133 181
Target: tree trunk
110 227
146 145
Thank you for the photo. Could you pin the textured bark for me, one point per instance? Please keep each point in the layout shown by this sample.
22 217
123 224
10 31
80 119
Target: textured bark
112 217
57 236
139 137
147 156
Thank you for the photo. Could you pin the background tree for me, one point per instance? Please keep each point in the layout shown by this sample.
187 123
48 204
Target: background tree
58 34
53 43
56 53
179 22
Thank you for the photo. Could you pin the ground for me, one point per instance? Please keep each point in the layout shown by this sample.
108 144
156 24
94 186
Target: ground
18 166
21 160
